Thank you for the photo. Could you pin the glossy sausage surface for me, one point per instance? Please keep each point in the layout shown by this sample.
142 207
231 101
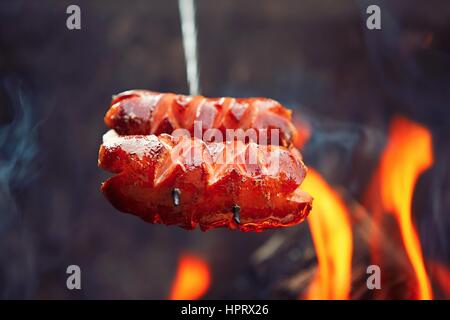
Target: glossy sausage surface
211 180
142 112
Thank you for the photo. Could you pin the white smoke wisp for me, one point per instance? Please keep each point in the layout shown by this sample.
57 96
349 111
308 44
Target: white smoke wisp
18 153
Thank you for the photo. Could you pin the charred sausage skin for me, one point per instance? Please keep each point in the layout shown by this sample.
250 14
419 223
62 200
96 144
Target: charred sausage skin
212 179
143 112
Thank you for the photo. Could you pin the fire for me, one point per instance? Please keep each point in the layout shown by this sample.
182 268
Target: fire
192 279
442 276
331 231
303 132
407 155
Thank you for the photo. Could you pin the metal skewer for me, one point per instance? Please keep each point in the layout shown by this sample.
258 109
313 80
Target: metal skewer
237 213
176 194
189 31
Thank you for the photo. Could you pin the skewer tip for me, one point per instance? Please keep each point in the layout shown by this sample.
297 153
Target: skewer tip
176 193
237 214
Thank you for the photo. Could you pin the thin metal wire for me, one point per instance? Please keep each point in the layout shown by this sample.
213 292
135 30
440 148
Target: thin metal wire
189 32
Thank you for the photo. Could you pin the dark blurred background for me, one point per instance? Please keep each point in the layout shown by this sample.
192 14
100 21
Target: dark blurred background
317 57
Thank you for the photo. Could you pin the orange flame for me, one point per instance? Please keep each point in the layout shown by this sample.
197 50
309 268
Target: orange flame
331 231
407 155
192 279
303 133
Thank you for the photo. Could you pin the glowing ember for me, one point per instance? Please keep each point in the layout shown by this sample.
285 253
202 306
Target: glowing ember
407 155
192 279
331 231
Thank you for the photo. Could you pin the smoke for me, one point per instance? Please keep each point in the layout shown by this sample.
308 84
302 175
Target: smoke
18 150
344 152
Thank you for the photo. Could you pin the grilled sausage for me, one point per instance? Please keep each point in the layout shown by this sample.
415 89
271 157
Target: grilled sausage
141 112
186 182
